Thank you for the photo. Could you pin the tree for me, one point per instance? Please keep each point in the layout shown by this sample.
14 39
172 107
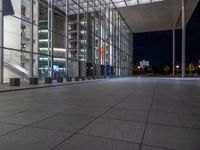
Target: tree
166 68
149 69
135 69
191 68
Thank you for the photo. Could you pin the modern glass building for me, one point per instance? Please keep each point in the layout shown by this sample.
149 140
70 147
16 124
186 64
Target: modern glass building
67 38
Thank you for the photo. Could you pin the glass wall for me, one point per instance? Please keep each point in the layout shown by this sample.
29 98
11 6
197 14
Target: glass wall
63 38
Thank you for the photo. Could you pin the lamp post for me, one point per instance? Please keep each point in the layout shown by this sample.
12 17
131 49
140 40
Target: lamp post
177 68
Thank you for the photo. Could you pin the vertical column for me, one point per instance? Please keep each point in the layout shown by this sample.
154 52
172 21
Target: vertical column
174 51
31 41
183 38
93 44
67 36
1 42
52 51
50 36
105 36
78 36
99 45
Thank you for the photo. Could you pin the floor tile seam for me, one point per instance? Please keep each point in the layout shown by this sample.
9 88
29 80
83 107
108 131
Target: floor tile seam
27 125
158 147
148 116
196 116
136 110
108 109
125 120
174 126
107 138
22 125
11 123
32 124
123 141
49 86
170 113
50 129
153 123
13 131
27 110
130 109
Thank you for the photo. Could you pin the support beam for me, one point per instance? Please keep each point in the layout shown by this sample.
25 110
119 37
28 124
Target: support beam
1 41
174 51
183 38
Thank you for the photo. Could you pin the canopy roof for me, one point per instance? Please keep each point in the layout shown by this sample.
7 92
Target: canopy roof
162 15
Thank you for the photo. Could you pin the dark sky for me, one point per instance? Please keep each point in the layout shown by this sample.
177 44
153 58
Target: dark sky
157 46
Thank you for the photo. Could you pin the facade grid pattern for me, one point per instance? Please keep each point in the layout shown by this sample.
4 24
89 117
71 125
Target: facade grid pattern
67 38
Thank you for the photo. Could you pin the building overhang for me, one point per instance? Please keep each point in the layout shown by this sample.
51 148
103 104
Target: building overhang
157 16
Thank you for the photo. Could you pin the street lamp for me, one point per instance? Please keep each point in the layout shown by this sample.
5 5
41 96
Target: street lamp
198 69
177 66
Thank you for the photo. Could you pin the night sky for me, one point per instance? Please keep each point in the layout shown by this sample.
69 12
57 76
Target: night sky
156 47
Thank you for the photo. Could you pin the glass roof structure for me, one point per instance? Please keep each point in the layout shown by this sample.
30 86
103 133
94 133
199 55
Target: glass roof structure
85 4
126 3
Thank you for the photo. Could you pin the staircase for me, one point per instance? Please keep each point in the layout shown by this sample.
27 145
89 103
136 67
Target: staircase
16 68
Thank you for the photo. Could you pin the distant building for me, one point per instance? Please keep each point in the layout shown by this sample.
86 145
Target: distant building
144 64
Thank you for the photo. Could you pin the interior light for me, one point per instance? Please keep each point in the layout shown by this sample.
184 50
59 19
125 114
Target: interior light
144 1
156 1
60 49
132 2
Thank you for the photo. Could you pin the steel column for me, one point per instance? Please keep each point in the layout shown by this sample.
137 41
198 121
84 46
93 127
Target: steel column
31 40
78 38
183 38
50 38
1 41
67 43
174 51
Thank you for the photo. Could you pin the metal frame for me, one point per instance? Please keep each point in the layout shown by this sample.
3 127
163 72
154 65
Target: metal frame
183 38
1 42
119 42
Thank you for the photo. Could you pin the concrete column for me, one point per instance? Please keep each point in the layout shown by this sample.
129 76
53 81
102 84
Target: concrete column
1 41
183 38
174 51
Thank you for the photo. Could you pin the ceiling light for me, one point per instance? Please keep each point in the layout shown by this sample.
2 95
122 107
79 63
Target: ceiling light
144 1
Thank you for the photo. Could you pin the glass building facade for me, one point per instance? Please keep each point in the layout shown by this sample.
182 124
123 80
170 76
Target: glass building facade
63 38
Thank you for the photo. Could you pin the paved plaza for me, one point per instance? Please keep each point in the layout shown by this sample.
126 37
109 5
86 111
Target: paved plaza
118 114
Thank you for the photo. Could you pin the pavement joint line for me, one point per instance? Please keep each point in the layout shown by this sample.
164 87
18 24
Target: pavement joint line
152 123
7 133
158 147
108 138
117 140
77 132
28 125
146 123
51 85
192 112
